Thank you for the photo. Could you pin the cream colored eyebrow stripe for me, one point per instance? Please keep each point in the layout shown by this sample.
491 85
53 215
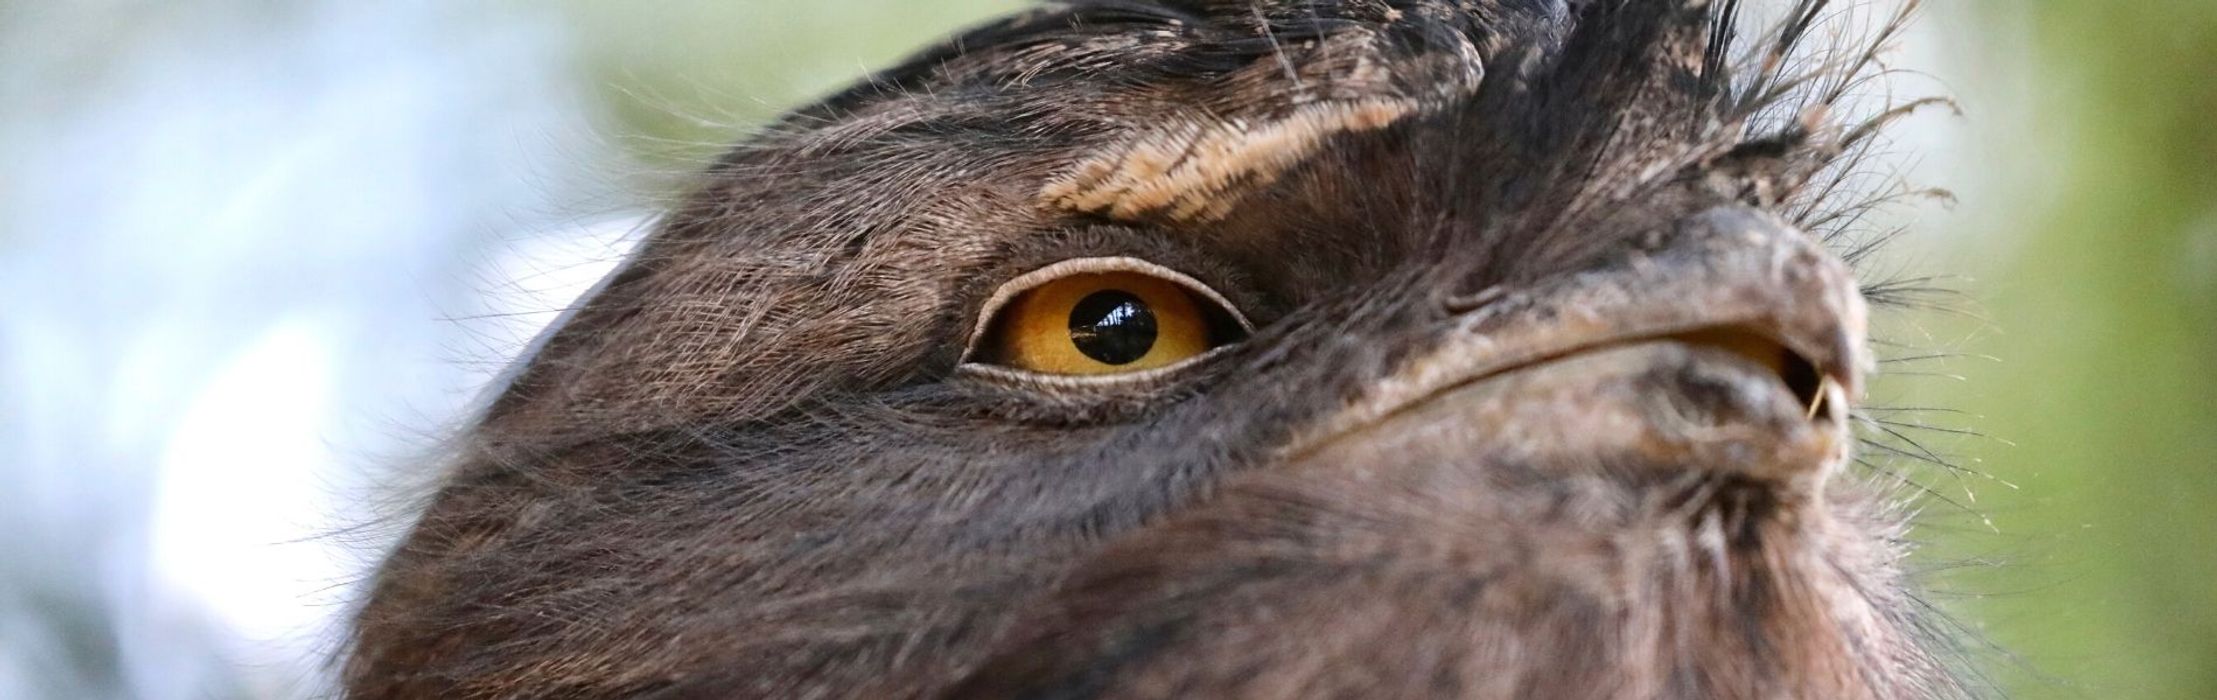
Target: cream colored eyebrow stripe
1196 172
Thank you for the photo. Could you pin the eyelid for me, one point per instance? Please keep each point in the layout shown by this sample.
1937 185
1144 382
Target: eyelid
1008 291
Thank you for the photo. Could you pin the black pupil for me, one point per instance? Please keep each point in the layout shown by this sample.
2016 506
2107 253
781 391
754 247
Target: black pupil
1113 327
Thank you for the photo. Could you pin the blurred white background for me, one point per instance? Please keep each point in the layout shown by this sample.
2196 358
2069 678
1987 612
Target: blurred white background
259 256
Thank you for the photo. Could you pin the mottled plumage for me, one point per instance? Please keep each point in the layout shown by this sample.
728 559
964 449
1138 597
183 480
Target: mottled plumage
1497 432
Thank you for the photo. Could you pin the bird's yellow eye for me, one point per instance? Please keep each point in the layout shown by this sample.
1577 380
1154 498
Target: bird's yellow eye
1093 319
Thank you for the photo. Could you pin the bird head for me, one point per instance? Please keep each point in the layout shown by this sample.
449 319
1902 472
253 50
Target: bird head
1207 348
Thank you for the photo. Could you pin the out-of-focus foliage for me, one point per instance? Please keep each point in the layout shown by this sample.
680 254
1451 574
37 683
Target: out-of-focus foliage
2090 242
682 78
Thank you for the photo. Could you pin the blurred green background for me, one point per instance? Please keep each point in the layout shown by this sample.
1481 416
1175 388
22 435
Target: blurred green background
2071 372
2089 233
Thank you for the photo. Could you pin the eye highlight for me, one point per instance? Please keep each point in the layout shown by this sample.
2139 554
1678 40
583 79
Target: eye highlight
1103 316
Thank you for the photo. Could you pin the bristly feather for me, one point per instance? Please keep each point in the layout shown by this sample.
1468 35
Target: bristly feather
743 467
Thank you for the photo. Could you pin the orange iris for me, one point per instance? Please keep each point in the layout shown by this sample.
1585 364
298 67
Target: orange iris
1098 323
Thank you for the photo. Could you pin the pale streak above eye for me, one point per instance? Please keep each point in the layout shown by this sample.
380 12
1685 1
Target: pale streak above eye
1196 172
1032 280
